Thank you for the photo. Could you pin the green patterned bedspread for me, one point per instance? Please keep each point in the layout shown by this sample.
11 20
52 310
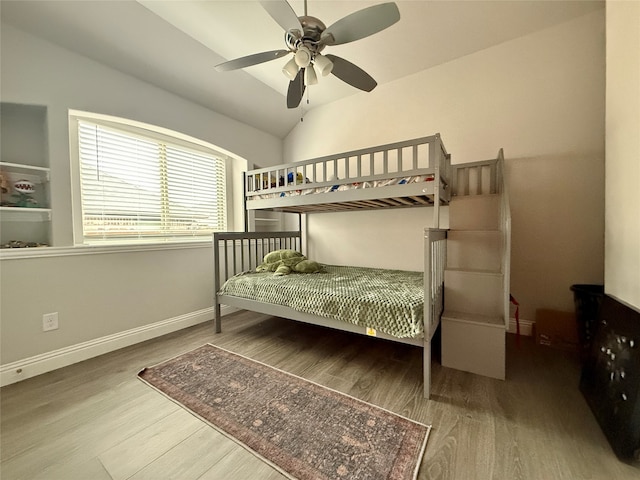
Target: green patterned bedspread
390 301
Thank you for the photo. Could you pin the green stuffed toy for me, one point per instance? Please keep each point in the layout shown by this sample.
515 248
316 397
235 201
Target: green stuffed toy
283 262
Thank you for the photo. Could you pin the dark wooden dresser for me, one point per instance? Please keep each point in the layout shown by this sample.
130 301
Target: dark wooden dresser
610 379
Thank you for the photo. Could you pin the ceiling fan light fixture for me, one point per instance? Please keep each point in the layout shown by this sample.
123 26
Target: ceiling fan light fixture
303 57
323 64
290 69
310 77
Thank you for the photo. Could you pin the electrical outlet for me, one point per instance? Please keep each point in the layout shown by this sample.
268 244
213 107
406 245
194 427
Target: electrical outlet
49 321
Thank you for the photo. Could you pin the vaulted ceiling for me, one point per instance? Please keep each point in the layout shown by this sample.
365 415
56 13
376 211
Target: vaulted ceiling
175 45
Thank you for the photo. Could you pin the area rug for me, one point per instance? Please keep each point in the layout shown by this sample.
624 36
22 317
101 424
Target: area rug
305 430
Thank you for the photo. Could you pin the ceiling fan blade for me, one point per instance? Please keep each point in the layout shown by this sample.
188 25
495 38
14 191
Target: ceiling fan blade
296 90
283 14
351 74
250 60
362 23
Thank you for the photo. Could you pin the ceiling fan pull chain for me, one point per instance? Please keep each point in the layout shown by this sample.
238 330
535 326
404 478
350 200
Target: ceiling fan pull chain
302 109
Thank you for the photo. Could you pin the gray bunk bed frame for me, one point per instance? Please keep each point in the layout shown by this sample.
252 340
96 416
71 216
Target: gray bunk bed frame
237 252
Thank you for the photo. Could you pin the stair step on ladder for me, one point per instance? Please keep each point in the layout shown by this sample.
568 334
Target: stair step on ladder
474 250
475 212
474 292
474 343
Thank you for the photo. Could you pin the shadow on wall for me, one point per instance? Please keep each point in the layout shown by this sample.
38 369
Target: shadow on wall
557 211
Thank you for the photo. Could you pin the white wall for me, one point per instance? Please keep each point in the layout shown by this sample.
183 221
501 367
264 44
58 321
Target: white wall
541 97
622 233
98 295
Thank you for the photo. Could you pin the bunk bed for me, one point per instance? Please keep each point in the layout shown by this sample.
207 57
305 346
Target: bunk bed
413 173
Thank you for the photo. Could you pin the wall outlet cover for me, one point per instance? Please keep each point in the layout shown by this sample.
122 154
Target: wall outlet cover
49 321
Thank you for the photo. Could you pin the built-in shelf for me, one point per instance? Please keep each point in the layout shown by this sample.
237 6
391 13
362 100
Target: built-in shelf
24 168
24 156
39 176
25 214
267 220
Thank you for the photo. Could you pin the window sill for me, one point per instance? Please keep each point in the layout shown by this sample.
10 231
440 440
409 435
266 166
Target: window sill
40 252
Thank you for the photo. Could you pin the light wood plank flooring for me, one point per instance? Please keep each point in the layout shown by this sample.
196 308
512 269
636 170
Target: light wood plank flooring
96 420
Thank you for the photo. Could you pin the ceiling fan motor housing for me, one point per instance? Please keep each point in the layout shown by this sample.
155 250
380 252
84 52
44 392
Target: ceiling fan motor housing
310 36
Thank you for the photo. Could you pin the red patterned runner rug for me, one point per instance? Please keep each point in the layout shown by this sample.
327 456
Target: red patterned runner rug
305 430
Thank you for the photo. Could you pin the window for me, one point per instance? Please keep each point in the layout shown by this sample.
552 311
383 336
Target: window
136 185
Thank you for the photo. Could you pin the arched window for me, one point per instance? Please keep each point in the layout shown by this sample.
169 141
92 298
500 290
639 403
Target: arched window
138 184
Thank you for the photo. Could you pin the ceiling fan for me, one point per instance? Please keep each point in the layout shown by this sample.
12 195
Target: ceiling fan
307 36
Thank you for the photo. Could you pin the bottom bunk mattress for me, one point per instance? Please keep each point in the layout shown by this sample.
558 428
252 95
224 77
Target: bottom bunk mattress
390 301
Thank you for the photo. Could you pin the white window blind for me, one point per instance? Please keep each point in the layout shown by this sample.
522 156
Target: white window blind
137 187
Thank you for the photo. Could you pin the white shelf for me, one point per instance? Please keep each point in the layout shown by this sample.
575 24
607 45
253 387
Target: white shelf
267 220
32 172
24 214
26 168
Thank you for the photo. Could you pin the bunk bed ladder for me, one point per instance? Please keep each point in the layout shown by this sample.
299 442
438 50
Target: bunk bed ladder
476 316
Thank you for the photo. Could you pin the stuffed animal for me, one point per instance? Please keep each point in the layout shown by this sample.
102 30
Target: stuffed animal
283 262
298 178
263 180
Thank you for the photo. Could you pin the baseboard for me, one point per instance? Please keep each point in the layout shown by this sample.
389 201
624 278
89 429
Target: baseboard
526 327
46 362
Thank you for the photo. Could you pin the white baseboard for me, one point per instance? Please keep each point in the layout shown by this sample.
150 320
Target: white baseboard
46 362
526 327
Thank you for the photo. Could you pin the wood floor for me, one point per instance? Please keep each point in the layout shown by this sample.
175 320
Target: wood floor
96 420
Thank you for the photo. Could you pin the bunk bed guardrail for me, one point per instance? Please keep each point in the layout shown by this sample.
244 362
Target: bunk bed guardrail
407 158
347 181
475 178
505 227
435 261
237 252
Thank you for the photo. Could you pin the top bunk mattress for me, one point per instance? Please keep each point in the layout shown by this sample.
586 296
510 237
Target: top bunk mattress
391 301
